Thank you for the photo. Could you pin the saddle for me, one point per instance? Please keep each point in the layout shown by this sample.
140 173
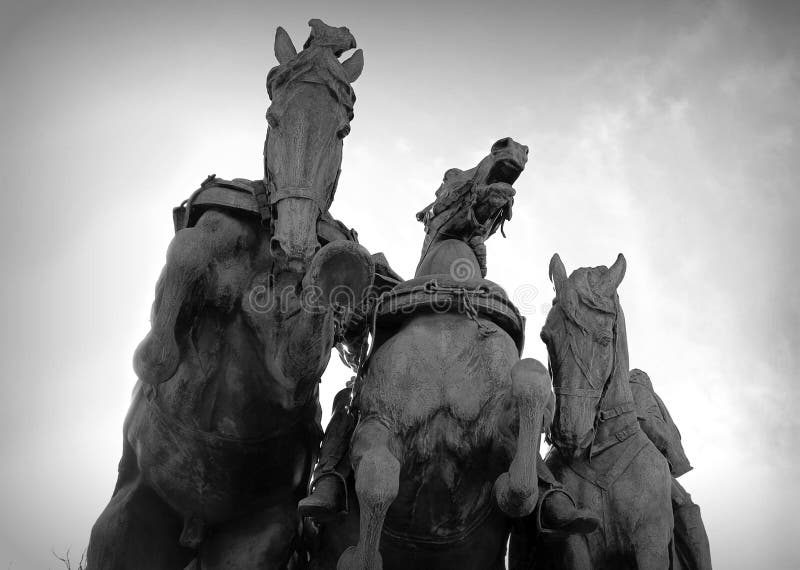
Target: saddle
251 198
431 294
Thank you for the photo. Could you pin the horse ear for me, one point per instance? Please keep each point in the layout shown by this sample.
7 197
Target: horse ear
354 65
613 276
284 48
558 273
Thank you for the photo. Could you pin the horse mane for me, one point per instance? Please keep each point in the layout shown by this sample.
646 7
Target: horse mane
315 64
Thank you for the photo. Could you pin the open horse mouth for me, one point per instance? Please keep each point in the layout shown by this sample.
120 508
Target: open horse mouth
505 170
508 161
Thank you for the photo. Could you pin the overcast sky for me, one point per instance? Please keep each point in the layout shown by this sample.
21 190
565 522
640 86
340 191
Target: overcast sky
664 130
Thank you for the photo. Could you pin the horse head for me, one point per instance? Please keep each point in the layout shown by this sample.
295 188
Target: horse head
585 337
471 205
312 106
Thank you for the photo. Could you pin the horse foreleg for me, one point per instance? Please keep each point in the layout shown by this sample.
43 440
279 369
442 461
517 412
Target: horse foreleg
377 472
190 259
576 553
517 490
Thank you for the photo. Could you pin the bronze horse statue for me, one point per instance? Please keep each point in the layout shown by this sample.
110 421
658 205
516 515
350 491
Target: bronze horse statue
224 425
445 451
600 453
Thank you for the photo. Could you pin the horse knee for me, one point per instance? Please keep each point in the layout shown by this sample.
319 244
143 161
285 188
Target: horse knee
530 380
189 253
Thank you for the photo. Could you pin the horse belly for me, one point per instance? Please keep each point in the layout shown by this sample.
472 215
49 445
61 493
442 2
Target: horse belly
445 482
200 474
438 382
482 549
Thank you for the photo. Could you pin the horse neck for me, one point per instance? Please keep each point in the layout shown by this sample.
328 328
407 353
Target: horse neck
616 418
449 256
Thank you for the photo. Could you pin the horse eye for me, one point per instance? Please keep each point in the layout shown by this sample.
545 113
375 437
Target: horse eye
272 120
343 132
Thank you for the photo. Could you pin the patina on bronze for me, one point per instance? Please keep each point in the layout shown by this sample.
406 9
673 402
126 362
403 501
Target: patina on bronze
445 449
600 453
224 425
431 459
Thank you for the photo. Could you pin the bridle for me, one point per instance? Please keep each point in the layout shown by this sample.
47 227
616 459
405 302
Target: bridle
598 387
268 194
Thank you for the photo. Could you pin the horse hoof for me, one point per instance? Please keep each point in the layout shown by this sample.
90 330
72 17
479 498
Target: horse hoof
341 273
513 503
155 360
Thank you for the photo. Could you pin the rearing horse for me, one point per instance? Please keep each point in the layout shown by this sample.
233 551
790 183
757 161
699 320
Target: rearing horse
224 425
600 453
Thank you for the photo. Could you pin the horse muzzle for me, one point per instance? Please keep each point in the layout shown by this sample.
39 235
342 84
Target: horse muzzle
294 233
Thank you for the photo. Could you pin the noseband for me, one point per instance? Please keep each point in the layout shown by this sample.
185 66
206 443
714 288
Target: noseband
272 194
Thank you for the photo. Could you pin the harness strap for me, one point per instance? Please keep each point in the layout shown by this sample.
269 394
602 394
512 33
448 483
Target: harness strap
262 199
607 479
579 392
609 413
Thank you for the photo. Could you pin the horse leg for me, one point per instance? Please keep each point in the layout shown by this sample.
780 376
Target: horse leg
576 553
263 539
190 258
651 527
136 530
377 472
652 542
517 490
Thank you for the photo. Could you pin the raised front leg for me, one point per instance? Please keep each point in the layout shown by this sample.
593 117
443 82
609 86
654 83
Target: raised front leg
377 481
517 490
191 259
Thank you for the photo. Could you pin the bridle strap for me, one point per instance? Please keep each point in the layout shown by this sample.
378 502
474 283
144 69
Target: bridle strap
578 392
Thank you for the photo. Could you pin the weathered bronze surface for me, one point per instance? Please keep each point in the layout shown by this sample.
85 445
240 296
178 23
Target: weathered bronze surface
224 425
431 458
